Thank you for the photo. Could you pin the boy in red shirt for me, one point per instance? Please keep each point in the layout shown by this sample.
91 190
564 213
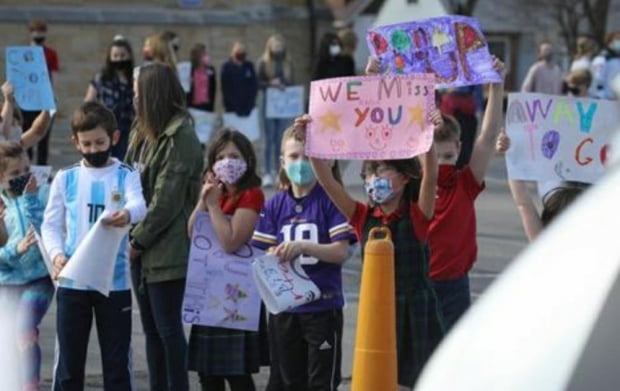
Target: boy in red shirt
452 233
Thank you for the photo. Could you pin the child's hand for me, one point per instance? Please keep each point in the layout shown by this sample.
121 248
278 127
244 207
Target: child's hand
211 192
499 66
299 127
287 251
118 219
503 142
373 67
26 242
7 89
59 263
436 119
32 186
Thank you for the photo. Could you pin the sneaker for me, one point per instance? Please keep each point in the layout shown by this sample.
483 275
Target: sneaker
267 180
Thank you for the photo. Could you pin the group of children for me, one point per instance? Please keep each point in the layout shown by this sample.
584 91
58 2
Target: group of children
427 203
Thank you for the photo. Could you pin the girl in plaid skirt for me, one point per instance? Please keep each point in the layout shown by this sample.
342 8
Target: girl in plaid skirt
401 197
232 196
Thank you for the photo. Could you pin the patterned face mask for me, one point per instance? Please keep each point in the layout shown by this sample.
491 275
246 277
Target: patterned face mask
18 184
380 190
230 170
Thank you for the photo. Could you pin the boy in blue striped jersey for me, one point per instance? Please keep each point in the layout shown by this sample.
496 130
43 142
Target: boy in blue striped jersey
78 196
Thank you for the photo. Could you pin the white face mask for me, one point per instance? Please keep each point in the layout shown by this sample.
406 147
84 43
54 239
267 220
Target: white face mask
334 50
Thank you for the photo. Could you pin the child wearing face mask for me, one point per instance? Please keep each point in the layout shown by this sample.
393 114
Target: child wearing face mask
23 274
301 222
232 196
401 196
11 128
78 196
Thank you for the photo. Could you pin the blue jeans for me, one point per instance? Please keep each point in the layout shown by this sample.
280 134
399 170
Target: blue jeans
274 128
74 317
166 347
454 299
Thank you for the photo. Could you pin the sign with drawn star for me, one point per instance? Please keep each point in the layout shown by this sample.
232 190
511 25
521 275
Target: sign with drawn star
452 48
371 117
27 71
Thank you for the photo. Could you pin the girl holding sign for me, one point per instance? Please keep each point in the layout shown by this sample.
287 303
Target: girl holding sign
301 221
232 196
401 197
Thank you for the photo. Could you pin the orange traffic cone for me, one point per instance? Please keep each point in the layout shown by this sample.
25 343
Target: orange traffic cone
374 361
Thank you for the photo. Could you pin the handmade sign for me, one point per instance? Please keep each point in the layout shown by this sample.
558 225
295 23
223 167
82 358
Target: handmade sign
41 173
558 137
286 103
283 286
246 125
184 70
89 265
453 48
219 289
204 122
371 117
26 69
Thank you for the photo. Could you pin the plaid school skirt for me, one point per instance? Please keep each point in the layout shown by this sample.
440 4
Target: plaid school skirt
220 352
419 329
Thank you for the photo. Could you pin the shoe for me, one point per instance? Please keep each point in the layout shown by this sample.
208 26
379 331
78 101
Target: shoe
267 180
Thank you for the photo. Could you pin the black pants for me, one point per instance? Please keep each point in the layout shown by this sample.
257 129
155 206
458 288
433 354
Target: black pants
166 347
469 127
74 317
306 351
43 145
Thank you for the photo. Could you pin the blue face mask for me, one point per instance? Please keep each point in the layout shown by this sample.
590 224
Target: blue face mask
300 172
380 190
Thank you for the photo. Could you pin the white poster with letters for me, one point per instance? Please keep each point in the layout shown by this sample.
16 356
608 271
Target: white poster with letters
284 103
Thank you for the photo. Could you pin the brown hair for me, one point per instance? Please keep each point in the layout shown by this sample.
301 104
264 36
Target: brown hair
92 115
348 38
580 77
449 131
557 200
160 98
585 47
10 150
37 25
410 168
195 55
229 135
283 181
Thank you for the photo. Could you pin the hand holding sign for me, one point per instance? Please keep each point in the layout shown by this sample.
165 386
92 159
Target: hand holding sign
26 69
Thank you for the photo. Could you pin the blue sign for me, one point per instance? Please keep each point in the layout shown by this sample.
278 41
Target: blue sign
26 69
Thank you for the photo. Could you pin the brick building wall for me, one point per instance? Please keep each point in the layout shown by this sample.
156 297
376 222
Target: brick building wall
80 31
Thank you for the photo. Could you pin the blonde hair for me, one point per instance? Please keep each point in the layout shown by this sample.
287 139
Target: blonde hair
161 50
586 47
269 62
580 77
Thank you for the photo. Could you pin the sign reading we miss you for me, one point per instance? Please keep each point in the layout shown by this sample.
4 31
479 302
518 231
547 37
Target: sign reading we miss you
558 137
371 117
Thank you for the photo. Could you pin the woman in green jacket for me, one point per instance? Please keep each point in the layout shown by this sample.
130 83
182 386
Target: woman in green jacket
165 149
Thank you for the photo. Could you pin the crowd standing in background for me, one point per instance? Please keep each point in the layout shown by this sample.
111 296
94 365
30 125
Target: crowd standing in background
137 141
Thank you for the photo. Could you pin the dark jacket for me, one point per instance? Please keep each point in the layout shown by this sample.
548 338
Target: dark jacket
239 87
340 66
171 172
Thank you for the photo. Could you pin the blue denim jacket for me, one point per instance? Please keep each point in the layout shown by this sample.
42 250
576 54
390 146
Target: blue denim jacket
21 213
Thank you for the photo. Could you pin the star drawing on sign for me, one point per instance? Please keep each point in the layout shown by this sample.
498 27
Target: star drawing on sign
330 120
416 115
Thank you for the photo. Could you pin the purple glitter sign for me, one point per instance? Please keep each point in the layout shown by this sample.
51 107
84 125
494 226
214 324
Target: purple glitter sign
451 47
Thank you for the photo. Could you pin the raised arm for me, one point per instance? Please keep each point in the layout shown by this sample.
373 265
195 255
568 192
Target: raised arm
428 186
7 110
37 131
491 125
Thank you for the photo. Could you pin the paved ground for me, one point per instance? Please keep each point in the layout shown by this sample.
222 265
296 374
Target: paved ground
500 239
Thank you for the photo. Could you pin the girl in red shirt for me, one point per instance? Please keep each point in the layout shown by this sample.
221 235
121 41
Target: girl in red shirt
232 196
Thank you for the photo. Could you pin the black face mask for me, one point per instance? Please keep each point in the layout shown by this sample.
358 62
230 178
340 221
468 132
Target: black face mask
97 159
573 90
121 65
17 185
39 40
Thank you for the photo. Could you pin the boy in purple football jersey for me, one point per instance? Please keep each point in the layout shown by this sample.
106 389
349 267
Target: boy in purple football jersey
301 221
